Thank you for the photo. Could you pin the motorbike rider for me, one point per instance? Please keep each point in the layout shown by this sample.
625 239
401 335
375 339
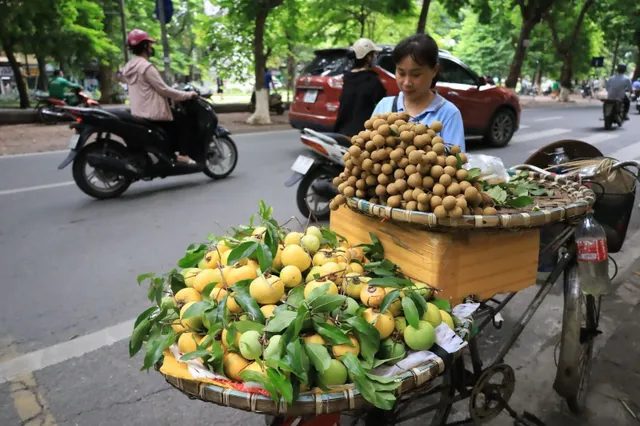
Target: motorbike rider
148 93
361 90
57 87
618 85
417 68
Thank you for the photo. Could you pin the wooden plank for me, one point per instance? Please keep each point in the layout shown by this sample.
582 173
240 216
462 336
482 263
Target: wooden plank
460 263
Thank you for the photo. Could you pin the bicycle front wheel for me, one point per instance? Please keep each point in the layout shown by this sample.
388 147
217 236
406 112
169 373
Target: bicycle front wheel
579 328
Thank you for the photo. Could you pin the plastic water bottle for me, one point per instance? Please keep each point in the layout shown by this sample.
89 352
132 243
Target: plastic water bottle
558 157
593 257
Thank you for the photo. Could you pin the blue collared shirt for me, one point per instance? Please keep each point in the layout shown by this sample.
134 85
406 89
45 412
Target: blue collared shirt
440 109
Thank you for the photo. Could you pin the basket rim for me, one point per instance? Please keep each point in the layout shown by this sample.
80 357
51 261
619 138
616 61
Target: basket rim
532 219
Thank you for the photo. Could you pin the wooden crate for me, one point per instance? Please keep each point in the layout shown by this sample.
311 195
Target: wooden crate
459 262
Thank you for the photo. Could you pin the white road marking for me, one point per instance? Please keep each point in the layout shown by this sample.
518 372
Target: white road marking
539 120
598 138
37 360
524 126
630 152
525 137
35 188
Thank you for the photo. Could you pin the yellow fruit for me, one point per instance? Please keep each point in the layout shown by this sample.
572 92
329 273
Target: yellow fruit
218 294
178 327
296 256
267 291
192 323
333 288
396 308
356 268
187 295
232 305
259 232
432 316
267 310
384 323
190 275
339 350
353 284
312 272
314 338
188 342
333 272
372 295
254 366
277 261
324 256
446 318
211 259
342 254
291 276
357 253
240 273
206 277
293 238
233 365
222 247
224 339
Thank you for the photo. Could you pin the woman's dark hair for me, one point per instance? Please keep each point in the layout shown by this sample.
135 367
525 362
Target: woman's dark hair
139 48
422 48
359 63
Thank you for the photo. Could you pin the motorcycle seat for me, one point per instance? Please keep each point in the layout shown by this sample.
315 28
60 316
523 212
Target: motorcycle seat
125 115
340 138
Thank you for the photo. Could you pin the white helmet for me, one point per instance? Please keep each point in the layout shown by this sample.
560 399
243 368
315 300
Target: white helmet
363 47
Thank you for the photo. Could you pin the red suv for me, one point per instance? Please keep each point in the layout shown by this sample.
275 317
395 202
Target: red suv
489 111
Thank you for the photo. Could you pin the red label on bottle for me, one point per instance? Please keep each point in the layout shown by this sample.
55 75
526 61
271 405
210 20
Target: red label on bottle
592 250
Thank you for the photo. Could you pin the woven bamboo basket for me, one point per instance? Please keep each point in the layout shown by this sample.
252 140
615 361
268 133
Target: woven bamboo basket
571 199
310 403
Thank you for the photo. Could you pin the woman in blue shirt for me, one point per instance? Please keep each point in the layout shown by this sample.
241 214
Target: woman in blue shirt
416 59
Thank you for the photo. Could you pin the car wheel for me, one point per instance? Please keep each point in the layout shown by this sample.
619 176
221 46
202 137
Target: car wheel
501 128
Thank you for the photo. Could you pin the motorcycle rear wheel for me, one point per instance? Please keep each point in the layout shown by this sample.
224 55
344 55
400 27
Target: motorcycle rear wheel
83 179
44 118
310 203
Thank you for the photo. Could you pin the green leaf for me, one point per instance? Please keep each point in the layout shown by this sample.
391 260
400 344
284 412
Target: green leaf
144 277
206 291
332 334
191 259
459 163
417 298
265 258
280 321
283 385
299 360
200 353
329 236
296 296
254 376
271 239
393 282
519 202
245 325
442 304
473 174
317 292
327 302
293 331
521 190
146 314
139 335
232 333
382 400
389 299
156 347
242 285
354 365
176 281
498 194
249 305
196 310
383 272
276 363
243 251
410 312
367 335
319 356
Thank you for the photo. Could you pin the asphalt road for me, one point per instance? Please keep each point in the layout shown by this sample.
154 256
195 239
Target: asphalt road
68 265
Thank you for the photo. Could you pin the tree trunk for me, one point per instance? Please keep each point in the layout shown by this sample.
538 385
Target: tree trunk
261 114
107 80
291 74
43 80
539 81
615 55
565 77
424 14
521 51
13 63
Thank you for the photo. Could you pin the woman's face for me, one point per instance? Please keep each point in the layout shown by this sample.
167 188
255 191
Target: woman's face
414 80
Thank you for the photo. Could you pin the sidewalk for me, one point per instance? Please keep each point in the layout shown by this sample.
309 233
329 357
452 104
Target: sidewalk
27 138
546 102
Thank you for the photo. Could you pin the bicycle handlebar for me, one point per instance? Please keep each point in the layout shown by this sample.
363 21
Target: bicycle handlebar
614 167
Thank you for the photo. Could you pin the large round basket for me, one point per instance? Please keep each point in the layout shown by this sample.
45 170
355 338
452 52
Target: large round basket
571 199
311 403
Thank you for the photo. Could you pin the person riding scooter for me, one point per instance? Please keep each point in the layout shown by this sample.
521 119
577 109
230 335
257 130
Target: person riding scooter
148 92
57 88
617 86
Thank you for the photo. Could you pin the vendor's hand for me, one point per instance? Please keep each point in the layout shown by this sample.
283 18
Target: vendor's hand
193 94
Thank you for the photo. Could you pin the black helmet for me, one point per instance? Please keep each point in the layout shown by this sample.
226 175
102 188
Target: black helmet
622 68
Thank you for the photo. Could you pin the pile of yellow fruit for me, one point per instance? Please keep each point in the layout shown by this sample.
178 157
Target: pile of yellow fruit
401 164
309 311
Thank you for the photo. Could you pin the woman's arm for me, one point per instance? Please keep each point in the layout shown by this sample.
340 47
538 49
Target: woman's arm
453 130
155 80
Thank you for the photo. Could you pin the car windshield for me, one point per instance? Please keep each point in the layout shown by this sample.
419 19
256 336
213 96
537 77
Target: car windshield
328 64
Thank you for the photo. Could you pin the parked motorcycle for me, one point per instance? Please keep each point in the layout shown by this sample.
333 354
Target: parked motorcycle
50 110
315 173
613 112
275 103
106 167
586 92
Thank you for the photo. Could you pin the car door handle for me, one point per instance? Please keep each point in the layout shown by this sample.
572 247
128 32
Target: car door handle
453 93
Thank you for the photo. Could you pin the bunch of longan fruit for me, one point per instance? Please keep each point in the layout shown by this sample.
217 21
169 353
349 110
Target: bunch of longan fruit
401 164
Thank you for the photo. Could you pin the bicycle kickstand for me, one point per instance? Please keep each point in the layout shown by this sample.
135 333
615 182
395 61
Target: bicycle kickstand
526 419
